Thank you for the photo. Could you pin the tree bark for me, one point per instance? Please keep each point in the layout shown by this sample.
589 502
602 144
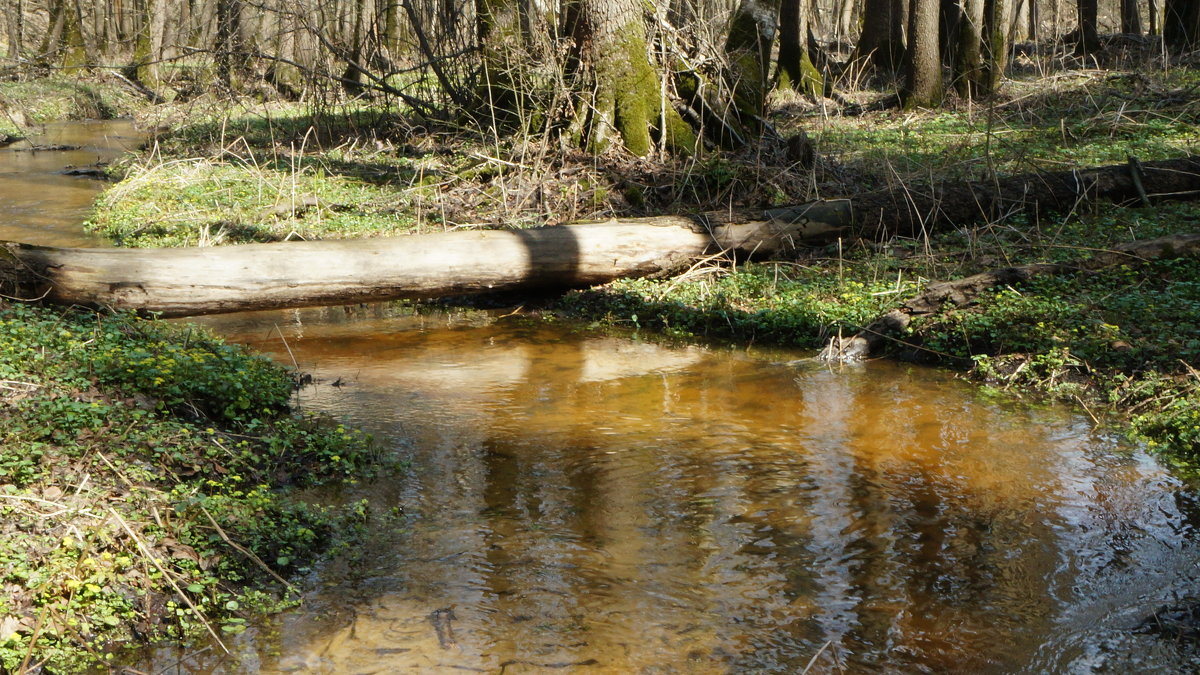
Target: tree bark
923 68
968 55
1131 18
995 44
748 46
882 38
229 41
1181 24
612 57
796 69
1089 39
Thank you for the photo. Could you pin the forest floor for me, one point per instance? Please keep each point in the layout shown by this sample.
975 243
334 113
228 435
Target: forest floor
1122 343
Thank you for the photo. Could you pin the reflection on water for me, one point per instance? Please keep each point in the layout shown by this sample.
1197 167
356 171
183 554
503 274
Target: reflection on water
41 205
603 505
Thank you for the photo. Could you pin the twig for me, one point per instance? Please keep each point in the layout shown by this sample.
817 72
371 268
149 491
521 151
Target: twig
813 660
170 580
249 554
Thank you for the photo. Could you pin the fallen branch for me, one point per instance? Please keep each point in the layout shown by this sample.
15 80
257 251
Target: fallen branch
962 292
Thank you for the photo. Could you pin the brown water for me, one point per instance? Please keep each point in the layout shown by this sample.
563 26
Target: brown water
41 205
588 503
599 504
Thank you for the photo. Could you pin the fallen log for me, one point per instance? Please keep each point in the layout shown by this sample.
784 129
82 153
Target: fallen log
916 210
961 292
194 281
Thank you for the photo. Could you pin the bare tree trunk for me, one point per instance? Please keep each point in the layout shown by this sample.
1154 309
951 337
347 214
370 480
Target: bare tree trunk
148 49
882 41
845 19
1089 39
1131 19
922 67
15 24
229 41
796 69
1181 24
191 281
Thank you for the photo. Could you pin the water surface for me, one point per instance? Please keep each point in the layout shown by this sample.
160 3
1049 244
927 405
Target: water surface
39 203
593 503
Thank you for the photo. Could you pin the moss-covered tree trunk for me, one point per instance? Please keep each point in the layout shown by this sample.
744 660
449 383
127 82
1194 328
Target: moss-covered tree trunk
148 46
498 27
624 101
968 57
64 45
995 44
923 69
752 33
796 69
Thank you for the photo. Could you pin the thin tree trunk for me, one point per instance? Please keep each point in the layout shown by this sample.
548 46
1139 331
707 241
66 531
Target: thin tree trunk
845 19
15 23
229 41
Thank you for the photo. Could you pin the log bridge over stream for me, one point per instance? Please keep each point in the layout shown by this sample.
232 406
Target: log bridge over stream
195 281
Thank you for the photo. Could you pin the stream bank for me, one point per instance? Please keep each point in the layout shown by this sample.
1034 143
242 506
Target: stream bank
147 471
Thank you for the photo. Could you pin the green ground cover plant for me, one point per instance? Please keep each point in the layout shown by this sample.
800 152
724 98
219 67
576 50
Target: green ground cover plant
26 103
145 475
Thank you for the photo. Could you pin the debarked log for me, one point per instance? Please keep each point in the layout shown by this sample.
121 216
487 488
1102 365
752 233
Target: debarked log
194 281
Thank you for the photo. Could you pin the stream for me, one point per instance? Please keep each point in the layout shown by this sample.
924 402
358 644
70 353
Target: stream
583 502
